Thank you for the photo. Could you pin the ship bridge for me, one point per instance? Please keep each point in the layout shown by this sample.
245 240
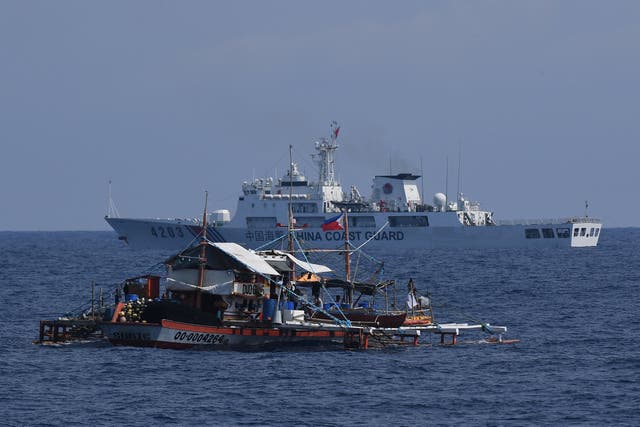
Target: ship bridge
396 192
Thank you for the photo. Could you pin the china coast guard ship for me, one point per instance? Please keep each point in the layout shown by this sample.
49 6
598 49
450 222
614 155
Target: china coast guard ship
394 217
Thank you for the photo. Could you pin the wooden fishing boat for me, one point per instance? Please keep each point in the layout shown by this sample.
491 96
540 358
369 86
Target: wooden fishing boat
233 304
217 295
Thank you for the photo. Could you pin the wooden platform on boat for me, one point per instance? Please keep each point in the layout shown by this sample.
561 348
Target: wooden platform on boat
365 338
67 330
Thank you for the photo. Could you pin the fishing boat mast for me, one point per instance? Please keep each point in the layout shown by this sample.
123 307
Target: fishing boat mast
347 249
347 256
203 254
290 224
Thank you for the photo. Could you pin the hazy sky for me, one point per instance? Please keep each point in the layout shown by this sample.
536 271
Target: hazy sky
168 99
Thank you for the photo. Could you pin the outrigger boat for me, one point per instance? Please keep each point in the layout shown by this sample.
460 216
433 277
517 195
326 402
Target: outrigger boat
223 296
217 295
245 299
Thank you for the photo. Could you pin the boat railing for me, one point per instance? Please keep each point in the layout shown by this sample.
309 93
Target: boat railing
543 221
182 220
585 219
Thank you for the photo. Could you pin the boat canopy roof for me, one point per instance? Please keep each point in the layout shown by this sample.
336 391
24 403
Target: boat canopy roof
222 256
280 261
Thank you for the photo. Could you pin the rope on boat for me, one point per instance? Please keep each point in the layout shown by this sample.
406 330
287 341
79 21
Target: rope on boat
374 235
268 244
346 321
366 255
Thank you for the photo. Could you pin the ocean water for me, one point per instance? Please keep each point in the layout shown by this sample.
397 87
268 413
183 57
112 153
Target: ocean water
576 313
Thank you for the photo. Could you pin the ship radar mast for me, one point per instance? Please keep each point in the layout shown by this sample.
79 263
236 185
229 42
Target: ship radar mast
324 156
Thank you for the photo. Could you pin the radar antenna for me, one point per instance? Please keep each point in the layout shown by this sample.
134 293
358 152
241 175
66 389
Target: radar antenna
324 156
586 209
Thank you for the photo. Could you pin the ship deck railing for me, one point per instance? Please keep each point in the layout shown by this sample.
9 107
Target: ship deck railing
543 221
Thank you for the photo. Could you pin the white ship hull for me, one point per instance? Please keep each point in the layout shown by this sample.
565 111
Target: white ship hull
176 234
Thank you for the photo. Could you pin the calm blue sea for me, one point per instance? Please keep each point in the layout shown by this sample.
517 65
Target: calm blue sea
576 313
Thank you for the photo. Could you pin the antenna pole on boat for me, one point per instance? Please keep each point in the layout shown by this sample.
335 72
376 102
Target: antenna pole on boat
290 220
203 254
446 184
347 252
347 255
586 209
459 167
421 182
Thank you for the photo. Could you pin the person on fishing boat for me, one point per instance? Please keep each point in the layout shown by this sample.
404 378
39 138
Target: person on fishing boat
413 301
219 307
298 296
125 288
411 287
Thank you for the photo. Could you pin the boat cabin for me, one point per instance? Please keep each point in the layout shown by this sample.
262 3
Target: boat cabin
237 284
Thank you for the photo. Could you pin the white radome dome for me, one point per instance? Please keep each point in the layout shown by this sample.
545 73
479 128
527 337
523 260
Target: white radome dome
439 200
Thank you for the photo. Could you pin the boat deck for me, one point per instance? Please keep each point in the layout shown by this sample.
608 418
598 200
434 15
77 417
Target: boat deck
67 330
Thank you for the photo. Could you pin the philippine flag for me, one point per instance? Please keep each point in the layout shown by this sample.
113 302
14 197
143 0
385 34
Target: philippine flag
333 224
